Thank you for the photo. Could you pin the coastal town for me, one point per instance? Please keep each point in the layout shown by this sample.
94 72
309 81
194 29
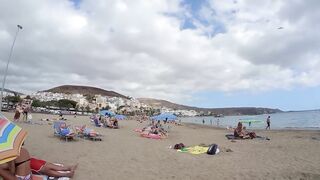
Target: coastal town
86 104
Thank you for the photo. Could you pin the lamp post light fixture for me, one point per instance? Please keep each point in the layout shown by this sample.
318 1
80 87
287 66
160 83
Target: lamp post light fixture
6 71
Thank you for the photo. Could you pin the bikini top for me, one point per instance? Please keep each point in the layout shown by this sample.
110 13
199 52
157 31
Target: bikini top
19 163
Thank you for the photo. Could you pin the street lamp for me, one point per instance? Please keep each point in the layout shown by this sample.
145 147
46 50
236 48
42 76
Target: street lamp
5 73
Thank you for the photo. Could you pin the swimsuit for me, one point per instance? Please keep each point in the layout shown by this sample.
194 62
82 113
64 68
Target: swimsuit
27 177
37 164
19 163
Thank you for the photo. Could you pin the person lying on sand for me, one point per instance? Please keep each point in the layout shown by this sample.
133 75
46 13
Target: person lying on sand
21 168
46 168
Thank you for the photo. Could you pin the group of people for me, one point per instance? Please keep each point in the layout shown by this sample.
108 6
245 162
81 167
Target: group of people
24 166
106 121
21 109
156 128
241 132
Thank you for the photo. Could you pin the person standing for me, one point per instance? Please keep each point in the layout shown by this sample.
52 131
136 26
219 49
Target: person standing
268 123
25 113
17 113
203 121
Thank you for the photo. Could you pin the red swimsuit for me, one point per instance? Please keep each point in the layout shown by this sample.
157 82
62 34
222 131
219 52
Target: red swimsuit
37 164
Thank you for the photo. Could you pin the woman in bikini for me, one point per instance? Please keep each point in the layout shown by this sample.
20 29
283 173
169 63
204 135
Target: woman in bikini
24 165
19 169
42 167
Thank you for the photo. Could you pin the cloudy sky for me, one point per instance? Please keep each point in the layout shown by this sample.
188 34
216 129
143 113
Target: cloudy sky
205 53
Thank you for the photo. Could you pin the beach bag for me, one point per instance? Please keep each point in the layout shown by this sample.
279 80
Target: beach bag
179 146
212 149
252 135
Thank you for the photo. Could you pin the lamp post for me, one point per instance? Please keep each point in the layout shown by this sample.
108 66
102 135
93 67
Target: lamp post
5 73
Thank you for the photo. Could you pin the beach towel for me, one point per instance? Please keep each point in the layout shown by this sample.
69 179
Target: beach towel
37 176
194 150
44 177
232 137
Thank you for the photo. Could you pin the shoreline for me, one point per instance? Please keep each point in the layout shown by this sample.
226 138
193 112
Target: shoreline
255 129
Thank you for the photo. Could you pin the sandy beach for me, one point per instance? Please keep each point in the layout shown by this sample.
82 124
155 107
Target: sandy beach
123 154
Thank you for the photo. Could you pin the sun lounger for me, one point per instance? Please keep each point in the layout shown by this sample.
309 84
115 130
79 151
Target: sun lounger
84 132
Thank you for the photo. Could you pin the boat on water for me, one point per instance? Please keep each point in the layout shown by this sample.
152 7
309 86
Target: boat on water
218 115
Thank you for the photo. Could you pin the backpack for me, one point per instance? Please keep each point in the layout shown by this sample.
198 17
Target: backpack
179 146
252 135
212 149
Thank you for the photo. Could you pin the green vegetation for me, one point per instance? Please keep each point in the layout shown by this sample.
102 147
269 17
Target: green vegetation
13 99
63 103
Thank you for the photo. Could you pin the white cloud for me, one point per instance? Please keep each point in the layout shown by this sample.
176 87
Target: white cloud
135 48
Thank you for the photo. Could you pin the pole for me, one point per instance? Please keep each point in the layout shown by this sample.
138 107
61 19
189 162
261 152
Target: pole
6 71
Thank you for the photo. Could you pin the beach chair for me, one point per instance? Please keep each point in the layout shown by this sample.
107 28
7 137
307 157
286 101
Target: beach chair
91 134
87 133
64 133
97 123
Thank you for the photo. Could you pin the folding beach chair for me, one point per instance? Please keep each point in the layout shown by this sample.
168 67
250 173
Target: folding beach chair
65 133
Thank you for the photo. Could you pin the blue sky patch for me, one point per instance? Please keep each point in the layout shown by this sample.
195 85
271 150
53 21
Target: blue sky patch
76 3
192 19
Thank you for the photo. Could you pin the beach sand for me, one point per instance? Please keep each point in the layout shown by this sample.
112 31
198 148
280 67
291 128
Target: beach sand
123 154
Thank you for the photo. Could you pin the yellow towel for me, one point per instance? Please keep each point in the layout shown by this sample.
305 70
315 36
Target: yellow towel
195 150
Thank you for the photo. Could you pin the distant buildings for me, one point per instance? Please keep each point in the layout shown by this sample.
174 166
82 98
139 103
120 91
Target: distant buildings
121 105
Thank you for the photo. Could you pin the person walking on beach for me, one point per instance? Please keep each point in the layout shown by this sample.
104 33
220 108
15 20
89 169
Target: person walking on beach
268 123
203 121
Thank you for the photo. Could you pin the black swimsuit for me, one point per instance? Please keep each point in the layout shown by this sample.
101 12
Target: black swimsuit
19 163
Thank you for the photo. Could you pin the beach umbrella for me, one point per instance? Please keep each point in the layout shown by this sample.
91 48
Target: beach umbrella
11 139
120 117
106 113
164 116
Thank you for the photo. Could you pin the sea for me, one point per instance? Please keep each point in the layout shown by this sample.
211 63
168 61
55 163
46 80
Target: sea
300 120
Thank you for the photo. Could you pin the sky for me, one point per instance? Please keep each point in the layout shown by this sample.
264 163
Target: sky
204 53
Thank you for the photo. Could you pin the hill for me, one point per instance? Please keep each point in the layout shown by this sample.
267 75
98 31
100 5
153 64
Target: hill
13 92
225 111
85 90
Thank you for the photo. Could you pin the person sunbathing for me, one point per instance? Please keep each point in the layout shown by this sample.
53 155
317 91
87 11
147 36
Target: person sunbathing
53 170
115 124
65 130
18 169
239 131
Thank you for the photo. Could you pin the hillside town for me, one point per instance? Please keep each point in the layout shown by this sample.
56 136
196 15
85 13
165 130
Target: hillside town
87 104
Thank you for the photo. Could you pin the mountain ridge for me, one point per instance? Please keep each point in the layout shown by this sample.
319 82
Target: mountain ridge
85 90
215 111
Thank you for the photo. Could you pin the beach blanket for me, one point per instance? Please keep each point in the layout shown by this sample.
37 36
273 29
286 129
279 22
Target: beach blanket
232 137
44 177
194 150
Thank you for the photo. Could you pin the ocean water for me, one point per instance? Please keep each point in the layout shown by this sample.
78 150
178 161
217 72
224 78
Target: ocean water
309 120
